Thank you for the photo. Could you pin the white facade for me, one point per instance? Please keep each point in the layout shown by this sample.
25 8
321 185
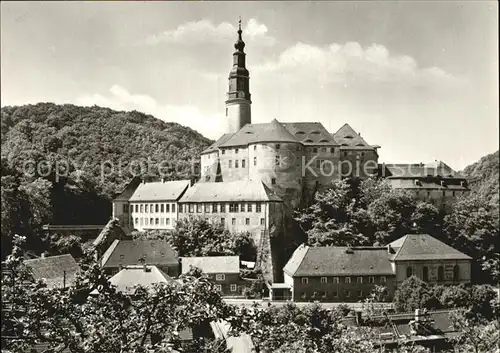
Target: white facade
153 215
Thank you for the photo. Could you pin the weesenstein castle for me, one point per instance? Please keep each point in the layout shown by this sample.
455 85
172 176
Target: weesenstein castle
255 175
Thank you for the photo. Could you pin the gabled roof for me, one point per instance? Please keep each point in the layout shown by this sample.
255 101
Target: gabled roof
419 170
339 261
57 271
129 189
254 133
310 133
347 138
160 191
130 252
424 247
214 147
212 264
131 276
230 191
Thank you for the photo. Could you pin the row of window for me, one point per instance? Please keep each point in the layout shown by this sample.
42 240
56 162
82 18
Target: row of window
359 279
444 192
278 147
232 287
220 207
453 274
152 208
159 221
359 294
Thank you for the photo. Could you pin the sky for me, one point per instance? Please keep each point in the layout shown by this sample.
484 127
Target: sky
418 78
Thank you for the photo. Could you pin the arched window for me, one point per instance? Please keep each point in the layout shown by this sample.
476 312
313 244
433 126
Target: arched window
440 273
425 273
409 272
456 273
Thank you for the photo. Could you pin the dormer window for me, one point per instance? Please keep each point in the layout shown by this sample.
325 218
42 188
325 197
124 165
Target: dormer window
360 145
315 132
323 140
300 133
348 136
308 140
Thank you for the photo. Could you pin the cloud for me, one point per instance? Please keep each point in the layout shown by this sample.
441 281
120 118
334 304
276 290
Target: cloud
210 125
206 32
350 63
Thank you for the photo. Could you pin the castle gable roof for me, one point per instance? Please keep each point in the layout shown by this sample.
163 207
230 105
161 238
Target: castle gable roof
215 146
129 190
137 252
310 133
212 264
347 138
339 261
230 191
424 247
255 133
160 191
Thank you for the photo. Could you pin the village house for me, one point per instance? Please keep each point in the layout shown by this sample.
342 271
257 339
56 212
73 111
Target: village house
346 274
429 259
335 274
223 271
57 271
157 253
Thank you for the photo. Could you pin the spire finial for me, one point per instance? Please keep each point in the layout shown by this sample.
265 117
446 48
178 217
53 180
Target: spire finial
239 45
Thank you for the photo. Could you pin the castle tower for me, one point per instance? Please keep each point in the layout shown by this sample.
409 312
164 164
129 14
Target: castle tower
238 96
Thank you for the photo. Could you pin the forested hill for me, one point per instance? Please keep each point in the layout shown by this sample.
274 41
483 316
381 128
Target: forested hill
103 149
484 177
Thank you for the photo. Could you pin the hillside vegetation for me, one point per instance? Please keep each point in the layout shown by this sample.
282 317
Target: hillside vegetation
63 164
484 177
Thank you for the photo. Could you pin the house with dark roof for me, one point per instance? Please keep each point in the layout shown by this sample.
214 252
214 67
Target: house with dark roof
223 271
429 259
112 231
335 274
57 271
435 182
137 252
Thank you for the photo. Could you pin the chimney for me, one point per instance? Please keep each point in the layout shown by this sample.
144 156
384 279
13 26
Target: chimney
390 250
143 181
163 180
42 255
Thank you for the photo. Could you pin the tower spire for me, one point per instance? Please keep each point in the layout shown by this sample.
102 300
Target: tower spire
238 96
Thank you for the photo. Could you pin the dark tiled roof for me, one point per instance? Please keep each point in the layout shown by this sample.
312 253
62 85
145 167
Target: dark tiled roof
215 146
310 133
160 191
347 138
129 252
212 264
338 261
56 270
111 229
129 189
254 133
424 247
230 191
419 170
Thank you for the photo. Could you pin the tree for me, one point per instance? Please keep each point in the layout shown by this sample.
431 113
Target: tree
110 321
413 294
472 226
474 336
